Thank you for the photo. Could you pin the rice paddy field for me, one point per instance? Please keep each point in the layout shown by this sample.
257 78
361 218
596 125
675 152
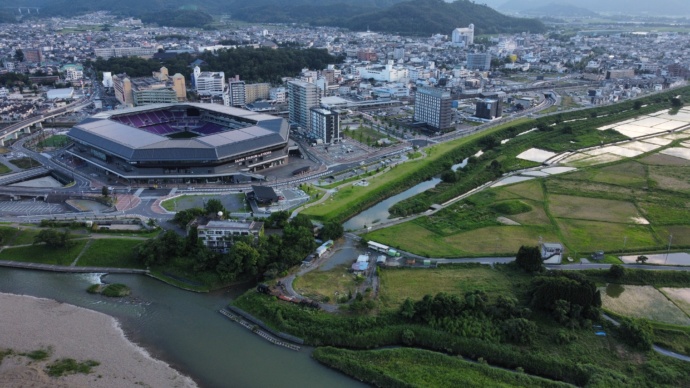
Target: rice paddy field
645 302
631 203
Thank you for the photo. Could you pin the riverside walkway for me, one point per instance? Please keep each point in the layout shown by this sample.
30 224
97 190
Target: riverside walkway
254 328
70 269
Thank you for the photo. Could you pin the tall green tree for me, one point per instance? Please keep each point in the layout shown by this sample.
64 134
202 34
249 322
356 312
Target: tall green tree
19 55
529 259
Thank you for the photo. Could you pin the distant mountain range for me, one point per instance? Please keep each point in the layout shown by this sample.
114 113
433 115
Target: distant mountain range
626 7
411 17
559 10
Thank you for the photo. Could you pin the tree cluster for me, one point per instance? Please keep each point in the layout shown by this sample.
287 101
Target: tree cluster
267 256
472 316
572 299
53 238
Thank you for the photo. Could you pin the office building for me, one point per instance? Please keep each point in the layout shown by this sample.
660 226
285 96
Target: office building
463 37
107 53
302 97
479 61
209 83
489 109
325 125
433 107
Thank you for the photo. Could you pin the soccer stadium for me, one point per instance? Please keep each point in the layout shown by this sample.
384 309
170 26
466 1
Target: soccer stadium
181 143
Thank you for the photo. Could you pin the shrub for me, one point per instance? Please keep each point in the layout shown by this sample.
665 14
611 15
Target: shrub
116 290
638 333
616 271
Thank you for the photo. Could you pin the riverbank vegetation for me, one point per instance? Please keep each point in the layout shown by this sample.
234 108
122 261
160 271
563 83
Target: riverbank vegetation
406 367
115 290
545 325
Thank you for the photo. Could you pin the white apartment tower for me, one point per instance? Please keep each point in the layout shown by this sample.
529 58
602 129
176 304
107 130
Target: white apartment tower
463 37
237 92
302 97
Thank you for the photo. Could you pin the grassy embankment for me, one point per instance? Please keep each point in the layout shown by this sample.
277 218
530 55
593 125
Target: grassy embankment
351 199
404 367
583 359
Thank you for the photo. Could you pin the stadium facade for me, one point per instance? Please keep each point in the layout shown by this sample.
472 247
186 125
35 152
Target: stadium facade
181 143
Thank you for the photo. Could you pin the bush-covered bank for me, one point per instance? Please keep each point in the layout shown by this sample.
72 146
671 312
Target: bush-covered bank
640 277
543 324
406 367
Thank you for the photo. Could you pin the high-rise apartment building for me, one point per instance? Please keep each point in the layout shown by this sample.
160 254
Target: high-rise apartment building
479 61
260 91
302 97
325 125
433 107
237 93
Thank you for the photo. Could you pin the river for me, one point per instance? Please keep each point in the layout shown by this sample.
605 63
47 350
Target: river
379 212
184 329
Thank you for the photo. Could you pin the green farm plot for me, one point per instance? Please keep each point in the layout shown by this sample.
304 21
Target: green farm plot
528 190
536 216
321 284
680 233
672 178
587 236
398 284
43 254
679 296
499 239
665 213
589 189
630 174
111 252
642 302
664 160
595 209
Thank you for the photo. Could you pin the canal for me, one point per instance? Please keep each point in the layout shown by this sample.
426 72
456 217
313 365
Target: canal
184 329
379 212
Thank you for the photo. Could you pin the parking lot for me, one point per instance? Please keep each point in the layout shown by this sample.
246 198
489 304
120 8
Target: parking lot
30 207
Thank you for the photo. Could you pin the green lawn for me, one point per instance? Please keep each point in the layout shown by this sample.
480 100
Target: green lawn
587 236
320 284
111 252
55 141
43 254
397 284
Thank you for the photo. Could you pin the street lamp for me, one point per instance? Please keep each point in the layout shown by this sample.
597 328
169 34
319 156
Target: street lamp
670 238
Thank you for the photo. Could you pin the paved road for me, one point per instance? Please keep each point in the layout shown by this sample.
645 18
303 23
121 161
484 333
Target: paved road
656 348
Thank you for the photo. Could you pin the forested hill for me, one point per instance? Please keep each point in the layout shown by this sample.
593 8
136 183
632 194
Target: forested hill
412 17
425 17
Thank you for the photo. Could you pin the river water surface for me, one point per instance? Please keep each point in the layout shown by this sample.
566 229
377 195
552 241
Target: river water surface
183 329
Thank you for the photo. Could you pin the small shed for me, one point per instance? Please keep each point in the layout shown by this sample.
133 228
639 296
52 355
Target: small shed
381 259
551 253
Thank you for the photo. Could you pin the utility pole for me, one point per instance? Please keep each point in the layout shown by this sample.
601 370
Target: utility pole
670 238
